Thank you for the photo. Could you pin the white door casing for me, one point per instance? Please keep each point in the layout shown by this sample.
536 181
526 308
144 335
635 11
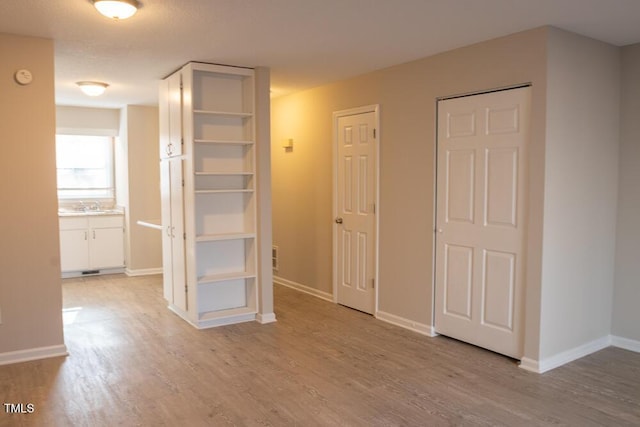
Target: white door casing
480 219
355 201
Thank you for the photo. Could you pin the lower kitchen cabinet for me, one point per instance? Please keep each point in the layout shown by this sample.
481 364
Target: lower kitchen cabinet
91 244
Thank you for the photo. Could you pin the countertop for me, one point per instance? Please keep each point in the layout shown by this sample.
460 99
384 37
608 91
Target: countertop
101 212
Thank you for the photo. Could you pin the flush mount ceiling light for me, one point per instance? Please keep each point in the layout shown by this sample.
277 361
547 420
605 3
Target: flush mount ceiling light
116 9
92 88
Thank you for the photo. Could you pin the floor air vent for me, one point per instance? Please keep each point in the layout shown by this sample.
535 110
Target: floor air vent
274 258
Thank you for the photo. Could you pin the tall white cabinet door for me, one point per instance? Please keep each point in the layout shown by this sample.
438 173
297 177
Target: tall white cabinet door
356 226
480 231
167 251
170 111
163 116
173 249
175 114
177 235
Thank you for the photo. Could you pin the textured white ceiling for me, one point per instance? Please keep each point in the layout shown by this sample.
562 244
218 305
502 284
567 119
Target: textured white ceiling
306 43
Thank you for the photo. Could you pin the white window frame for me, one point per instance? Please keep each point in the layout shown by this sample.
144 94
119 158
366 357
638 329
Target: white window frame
108 196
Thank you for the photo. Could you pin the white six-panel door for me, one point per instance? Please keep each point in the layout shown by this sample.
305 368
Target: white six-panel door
355 245
480 220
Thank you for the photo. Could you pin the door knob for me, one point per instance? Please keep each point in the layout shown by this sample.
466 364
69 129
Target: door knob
338 220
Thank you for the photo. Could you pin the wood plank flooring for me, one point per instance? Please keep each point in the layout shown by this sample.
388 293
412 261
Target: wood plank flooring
133 362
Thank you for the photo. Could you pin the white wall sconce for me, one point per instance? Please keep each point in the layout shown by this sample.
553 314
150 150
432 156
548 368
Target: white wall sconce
117 9
92 88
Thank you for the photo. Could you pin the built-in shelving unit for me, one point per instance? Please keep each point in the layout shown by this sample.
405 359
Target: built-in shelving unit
220 204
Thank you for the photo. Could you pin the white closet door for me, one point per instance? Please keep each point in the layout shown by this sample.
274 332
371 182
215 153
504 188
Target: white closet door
481 194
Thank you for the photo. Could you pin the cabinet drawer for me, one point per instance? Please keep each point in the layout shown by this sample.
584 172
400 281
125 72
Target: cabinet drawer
73 223
110 221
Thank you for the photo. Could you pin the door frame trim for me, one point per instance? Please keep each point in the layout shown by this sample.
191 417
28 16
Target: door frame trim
372 108
485 91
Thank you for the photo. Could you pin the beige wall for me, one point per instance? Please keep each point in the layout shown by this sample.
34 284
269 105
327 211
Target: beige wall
626 316
139 186
581 174
572 180
87 121
30 290
302 179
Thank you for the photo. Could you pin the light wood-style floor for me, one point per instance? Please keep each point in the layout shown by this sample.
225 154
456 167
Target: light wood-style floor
132 362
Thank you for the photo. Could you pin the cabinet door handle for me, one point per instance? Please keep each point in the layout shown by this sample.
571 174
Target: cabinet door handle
94 234
85 235
169 149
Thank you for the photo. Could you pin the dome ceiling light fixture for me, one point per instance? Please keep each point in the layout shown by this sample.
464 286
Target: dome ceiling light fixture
117 9
92 88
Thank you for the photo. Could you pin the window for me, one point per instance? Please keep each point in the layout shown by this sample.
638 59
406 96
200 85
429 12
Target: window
85 167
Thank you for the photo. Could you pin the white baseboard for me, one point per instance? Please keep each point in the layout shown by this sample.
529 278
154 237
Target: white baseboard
33 354
542 366
266 318
228 320
530 365
303 288
420 328
414 326
143 271
626 343
101 272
